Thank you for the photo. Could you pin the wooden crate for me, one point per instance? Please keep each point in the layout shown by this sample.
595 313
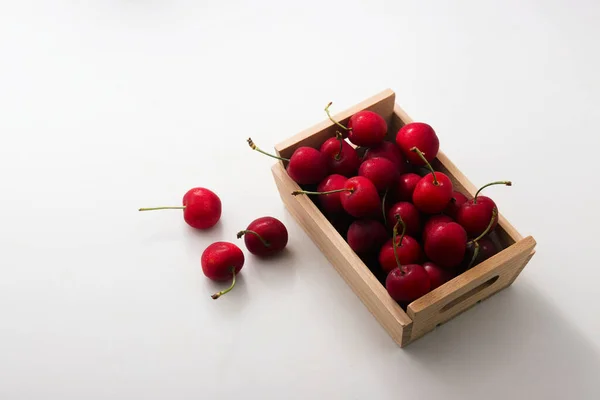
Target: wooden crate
439 305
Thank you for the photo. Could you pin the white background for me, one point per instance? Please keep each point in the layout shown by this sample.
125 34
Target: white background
109 106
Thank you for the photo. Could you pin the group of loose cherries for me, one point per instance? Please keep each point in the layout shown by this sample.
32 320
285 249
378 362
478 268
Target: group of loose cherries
407 221
222 260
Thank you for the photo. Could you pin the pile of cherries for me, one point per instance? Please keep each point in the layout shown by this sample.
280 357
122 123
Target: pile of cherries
222 260
406 221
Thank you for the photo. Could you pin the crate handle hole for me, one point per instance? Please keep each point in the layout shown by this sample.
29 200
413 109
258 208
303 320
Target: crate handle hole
470 293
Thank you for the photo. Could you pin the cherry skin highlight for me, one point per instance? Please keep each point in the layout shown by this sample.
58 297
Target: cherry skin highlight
381 171
433 191
366 236
446 244
360 198
201 208
407 283
222 261
421 136
433 222
341 158
265 236
389 151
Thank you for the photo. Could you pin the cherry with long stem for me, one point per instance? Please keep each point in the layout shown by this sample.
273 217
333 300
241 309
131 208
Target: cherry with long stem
222 292
507 183
162 208
475 241
255 147
422 156
297 192
334 121
246 231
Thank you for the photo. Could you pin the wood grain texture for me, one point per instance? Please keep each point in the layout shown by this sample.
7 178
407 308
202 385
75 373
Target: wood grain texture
464 291
356 274
382 103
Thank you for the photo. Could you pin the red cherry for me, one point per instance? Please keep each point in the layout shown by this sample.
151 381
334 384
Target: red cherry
306 166
409 214
405 186
399 250
341 157
487 249
446 244
433 191
390 151
365 128
329 193
222 261
481 248
265 236
366 235
408 283
437 275
421 136
433 222
457 200
201 208
381 171
475 214
360 198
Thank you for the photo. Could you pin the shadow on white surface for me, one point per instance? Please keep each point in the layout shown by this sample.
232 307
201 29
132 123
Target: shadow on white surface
516 337
276 271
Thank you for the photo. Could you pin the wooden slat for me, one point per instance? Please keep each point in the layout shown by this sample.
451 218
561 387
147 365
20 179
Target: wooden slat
382 103
464 291
356 274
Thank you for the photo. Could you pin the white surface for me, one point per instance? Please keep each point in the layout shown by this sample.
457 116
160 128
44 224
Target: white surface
109 106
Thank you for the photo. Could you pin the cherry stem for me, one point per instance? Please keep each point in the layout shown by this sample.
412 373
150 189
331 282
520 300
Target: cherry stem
489 227
263 240
333 120
395 245
297 192
475 254
254 147
222 292
383 206
162 208
420 153
340 137
507 183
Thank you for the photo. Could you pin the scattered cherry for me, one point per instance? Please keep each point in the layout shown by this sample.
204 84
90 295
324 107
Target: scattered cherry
401 249
366 236
365 128
265 236
409 215
421 136
306 166
433 191
390 151
342 158
201 208
457 200
329 193
474 215
446 244
381 171
222 261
